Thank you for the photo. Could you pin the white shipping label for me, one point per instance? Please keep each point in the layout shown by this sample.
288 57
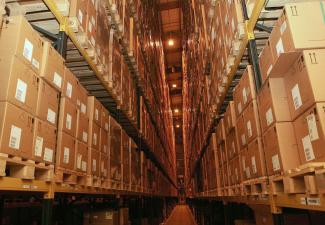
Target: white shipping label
84 166
239 108
35 63
249 129
276 162
28 50
51 116
38 146
308 148
90 26
312 127
80 16
269 70
313 201
57 79
21 91
296 97
95 139
79 160
106 126
96 114
48 155
243 139
254 168
68 92
244 95
279 47
85 136
83 108
15 135
93 21
269 117
66 155
94 165
283 27
68 121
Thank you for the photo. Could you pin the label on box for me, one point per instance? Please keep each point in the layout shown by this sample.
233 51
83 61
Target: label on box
239 108
308 148
313 201
254 168
283 27
38 146
35 63
48 155
269 70
244 95
79 159
269 117
57 80
66 155
249 129
296 97
276 162
303 201
312 127
28 50
68 121
83 108
21 91
15 135
85 136
80 16
279 47
68 92
243 139
84 166
51 116
94 165
96 114
106 126
95 139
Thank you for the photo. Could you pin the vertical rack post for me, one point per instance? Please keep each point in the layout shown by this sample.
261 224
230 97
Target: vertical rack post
61 44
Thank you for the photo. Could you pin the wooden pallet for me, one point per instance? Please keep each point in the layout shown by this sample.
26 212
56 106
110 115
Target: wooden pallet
306 179
235 190
115 185
17 167
94 181
256 187
70 177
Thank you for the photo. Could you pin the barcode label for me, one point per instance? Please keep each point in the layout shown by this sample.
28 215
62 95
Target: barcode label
279 47
68 121
312 127
48 155
28 50
313 201
15 135
57 80
51 116
308 148
68 92
66 155
283 27
85 136
276 162
38 146
21 91
249 129
269 117
296 97
254 168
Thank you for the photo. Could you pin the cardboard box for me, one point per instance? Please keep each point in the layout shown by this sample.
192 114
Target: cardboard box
252 121
17 130
257 158
104 165
230 117
19 84
115 140
94 110
300 27
266 61
245 91
280 147
304 83
273 103
92 9
105 119
115 66
310 134
78 15
70 86
104 143
44 142
20 39
82 128
234 171
94 135
232 144
47 103
68 117
81 157
241 132
220 131
94 162
53 67
65 153
126 157
246 170
82 99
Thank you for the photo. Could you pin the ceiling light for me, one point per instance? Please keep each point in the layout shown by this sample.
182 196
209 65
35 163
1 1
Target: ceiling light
176 110
171 42
174 85
178 126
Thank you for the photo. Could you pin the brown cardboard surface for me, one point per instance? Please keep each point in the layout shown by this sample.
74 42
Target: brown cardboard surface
241 132
68 117
232 144
234 174
280 147
256 158
92 9
230 117
266 61
94 162
82 128
104 165
104 144
94 110
245 169
252 121
70 86
78 13
17 130
105 119
93 135
44 142
65 153
82 100
81 157
47 103
19 84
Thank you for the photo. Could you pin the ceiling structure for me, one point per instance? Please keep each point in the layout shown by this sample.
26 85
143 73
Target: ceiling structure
171 14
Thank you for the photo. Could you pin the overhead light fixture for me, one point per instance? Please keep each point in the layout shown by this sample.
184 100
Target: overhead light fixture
171 42
176 110
178 126
174 85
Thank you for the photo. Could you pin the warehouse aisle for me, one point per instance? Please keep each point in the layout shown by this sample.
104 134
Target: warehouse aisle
181 215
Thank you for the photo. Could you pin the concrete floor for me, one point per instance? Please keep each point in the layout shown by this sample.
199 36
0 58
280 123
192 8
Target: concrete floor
181 215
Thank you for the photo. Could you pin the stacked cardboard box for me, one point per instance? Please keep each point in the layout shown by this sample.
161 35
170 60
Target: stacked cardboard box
115 151
135 166
126 164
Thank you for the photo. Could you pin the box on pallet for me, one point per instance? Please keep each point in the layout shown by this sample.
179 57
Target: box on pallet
20 85
78 15
232 144
94 135
104 170
65 153
256 158
94 110
82 100
82 127
104 141
94 162
68 117
81 157
70 86
105 119
230 117
252 121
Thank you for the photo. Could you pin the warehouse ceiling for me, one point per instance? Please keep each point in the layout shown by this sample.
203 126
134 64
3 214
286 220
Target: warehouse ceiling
171 14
